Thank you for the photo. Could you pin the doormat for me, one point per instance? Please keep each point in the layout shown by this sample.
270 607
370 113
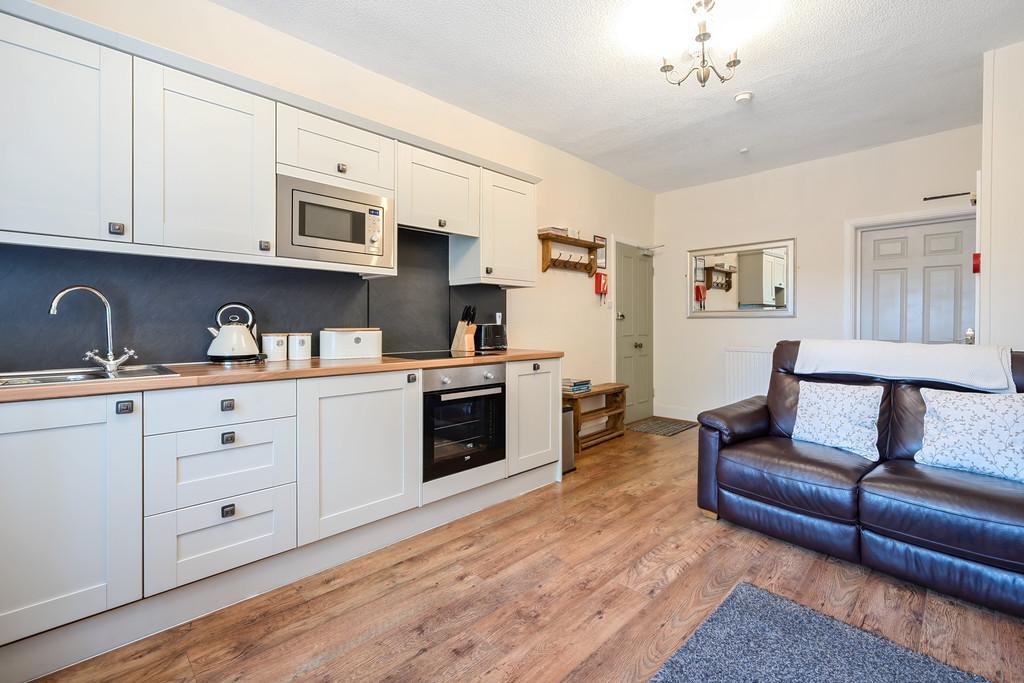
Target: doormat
758 636
662 426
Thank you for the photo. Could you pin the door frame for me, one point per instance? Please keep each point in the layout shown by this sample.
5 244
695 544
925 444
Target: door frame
853 231
612 260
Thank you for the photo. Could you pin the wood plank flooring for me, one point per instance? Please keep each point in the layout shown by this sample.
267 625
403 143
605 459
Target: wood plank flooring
600 578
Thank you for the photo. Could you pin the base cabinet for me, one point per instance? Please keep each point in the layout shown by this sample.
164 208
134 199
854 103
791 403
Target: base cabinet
71 501
359 450
533 414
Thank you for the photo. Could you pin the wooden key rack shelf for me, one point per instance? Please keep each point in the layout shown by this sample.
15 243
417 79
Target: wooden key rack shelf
584 264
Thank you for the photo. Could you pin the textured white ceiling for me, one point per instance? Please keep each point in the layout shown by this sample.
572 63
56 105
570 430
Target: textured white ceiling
829 76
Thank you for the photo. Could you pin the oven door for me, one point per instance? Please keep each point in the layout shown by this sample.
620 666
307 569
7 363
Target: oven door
462 429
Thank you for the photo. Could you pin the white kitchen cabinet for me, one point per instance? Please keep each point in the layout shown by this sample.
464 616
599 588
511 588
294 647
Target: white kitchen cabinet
506 252
334 149
65 135
205 175
437 193
71 501
359 450
533 414
759 275
199 541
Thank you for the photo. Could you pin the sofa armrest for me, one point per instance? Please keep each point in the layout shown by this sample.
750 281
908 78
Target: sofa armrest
739 421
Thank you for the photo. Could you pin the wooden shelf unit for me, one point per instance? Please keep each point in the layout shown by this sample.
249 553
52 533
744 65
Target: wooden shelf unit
588 265
709 275
614 410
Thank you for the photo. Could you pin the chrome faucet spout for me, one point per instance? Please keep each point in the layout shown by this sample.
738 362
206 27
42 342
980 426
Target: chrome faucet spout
110 363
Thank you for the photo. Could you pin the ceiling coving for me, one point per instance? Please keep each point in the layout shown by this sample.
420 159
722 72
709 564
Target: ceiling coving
703 65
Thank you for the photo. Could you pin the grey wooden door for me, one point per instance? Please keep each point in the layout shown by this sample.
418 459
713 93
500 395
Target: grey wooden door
634 348
916 283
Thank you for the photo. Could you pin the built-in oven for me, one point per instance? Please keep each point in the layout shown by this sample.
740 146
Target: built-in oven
463 419
325 222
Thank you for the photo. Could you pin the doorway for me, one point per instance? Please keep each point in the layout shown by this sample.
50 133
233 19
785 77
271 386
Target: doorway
634 333
915 282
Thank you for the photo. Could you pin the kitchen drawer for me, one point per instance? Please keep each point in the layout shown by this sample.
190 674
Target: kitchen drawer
315 143
175 410
197 466
190 544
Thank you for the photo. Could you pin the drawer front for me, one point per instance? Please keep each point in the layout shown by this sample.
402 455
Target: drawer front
203 540
188 468
175 410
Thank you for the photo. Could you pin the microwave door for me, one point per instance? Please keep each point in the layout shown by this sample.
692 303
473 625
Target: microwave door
329 223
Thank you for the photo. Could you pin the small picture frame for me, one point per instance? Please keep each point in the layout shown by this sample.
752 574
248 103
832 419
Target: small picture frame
698 269
602 253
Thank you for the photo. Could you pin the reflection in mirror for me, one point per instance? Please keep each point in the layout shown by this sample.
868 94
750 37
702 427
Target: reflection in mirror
744 280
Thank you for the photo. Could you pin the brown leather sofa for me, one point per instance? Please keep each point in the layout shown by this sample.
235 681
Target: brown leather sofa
956 532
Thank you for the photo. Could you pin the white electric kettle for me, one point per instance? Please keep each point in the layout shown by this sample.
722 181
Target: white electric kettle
234 341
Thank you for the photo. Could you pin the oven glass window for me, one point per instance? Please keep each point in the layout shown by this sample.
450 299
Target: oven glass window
463 433
330 223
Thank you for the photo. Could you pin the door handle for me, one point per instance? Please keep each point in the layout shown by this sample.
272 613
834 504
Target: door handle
620 316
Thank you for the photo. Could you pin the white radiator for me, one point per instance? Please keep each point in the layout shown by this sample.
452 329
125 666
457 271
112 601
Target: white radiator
747 372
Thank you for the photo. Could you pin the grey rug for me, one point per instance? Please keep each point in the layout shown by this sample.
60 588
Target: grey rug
662 426
758 636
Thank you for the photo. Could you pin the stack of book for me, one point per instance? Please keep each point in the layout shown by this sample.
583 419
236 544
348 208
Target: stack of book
575 386
553 230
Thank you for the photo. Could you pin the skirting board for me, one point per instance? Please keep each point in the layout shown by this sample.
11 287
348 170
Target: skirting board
61 647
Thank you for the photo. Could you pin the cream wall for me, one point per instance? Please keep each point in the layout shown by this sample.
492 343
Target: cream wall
561 312
1002 197
809 201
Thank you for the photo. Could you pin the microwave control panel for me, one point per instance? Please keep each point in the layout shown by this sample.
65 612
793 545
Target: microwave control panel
374 228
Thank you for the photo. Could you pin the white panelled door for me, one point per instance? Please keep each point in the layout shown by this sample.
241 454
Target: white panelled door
205 170
916 283
65 135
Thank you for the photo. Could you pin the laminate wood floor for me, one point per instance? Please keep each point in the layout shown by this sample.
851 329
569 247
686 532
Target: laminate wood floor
600 578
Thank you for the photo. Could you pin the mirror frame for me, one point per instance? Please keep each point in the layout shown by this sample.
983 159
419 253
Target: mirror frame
788 312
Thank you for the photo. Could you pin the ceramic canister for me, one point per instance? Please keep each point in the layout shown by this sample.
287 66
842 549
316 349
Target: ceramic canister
275 346
300 345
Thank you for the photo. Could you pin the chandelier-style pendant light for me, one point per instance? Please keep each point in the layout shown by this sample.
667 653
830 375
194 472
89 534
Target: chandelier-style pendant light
702 66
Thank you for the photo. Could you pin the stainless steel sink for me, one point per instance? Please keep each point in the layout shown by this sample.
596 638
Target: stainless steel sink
74 375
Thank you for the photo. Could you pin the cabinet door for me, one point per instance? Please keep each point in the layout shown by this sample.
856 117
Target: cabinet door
359 450
333 148
204 164
768 280
71 498
65 135
533 414
508 230
437 193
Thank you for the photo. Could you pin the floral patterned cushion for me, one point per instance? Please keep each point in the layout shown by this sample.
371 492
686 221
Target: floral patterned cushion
843 416
981 433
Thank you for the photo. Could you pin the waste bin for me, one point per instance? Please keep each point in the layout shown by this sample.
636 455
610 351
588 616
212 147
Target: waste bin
568 453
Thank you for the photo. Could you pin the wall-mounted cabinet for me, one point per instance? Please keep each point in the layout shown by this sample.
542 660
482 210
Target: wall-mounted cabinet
204 164
334 149
71 501
437 193
506 252
65 135
762 278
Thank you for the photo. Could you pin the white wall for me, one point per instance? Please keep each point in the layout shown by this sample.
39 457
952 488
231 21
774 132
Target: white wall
810 202
561 312
1002 197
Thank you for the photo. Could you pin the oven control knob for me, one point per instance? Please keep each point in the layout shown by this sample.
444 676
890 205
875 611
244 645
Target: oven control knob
446 380
488 375
375 237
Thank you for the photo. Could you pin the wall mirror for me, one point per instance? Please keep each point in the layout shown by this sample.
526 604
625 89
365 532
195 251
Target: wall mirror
744 280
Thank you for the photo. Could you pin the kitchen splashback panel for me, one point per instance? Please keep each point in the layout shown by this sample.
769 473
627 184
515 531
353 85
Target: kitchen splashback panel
163 306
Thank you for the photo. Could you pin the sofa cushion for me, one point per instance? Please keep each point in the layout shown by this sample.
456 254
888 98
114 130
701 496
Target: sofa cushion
968 515
799 476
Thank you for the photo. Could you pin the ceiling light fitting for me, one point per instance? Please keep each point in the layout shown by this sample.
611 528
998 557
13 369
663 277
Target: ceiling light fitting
702 66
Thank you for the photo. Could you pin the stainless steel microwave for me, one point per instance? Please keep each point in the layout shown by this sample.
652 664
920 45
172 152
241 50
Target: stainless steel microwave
331 223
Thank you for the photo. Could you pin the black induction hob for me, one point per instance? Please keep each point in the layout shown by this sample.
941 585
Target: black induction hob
431 355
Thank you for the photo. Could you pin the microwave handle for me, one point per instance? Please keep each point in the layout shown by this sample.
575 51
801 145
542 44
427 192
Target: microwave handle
471 394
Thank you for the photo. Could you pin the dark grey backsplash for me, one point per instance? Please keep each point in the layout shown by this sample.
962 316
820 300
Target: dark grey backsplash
162 306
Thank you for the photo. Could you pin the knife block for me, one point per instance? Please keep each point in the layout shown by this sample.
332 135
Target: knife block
463 340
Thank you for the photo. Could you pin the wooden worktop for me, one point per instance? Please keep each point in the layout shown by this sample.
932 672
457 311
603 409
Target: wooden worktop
208 374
